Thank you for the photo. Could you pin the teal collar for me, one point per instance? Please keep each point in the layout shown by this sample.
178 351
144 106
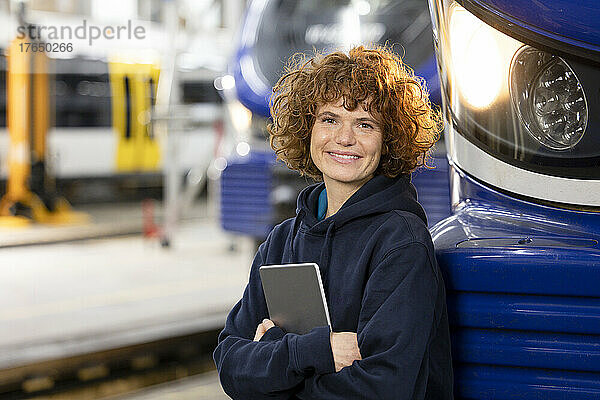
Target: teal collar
322 205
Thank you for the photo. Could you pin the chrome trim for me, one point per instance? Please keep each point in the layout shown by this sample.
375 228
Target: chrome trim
486 168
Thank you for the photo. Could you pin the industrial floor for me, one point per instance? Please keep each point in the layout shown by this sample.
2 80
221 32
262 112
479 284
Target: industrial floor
68 298
203 387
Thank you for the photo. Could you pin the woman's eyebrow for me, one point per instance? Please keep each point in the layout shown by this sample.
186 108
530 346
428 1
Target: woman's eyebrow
327 113
367 119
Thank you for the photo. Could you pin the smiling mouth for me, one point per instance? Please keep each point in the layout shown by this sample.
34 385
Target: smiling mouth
343 156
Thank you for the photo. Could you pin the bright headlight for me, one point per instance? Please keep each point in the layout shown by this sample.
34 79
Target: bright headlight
526 106
480 57
549 98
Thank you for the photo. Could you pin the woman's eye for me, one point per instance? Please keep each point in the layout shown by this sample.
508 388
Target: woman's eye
364 125
328 120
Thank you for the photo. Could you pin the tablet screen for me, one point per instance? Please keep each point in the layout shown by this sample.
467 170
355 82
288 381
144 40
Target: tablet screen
295 296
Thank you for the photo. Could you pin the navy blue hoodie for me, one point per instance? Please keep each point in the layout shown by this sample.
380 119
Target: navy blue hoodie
381 281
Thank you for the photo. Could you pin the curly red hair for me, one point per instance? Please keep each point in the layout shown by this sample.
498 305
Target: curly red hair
376 79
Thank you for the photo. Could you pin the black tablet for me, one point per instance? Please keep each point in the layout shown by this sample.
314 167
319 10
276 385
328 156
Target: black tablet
295 296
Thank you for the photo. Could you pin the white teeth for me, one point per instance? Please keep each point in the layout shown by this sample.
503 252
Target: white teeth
344 156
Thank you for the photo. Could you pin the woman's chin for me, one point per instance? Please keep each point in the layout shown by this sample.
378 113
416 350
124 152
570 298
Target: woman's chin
346 179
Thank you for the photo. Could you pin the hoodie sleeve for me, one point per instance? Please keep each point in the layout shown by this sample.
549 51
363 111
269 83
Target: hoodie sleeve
396 319
273 367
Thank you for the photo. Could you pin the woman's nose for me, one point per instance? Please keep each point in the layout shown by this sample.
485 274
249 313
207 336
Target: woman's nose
345 136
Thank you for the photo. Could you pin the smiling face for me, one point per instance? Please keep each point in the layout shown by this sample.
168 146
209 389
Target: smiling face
345 145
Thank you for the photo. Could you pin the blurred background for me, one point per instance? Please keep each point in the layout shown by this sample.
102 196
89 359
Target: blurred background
136 179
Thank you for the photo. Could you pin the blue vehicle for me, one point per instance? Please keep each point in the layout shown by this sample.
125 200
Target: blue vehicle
256 192
520 255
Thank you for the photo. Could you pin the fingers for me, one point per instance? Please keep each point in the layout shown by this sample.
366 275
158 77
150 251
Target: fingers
260 331
262 328
268 324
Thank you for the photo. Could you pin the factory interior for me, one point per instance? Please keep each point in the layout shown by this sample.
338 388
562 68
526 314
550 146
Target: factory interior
136 179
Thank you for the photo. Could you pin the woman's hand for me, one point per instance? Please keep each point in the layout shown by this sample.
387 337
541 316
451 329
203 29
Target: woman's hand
262 328
344 346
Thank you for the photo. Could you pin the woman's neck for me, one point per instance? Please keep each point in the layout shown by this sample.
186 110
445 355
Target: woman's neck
338 193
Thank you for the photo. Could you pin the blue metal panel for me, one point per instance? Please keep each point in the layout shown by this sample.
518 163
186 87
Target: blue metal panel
255 99
500 383
523 295
486 213
518 312
429 72
246 186
527 349
433 190
575 23
537 270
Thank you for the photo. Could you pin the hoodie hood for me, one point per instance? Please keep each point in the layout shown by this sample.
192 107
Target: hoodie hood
379 195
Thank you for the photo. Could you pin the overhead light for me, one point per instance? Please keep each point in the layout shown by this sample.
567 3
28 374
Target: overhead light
242 149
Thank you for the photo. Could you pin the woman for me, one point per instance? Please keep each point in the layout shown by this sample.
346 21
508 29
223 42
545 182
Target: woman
361 123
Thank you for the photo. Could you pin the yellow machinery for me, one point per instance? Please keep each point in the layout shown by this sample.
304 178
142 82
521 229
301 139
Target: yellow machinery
30 191
133 97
